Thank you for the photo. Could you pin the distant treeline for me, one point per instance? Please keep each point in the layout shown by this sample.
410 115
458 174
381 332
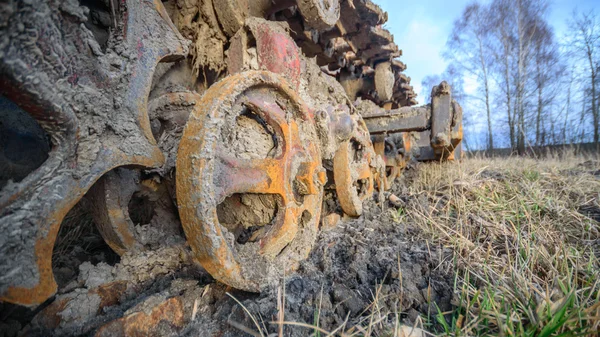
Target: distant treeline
527 86
586 149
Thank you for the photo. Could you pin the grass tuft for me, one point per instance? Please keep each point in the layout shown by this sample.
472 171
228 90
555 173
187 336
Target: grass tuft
526 256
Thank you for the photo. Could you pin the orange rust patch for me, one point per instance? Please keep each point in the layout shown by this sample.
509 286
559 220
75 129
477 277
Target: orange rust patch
140 324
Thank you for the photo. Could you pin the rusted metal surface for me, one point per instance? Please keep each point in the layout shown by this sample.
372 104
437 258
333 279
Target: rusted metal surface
446 126
92 100
111 196
439 125
457 132
206 175
441 121
406 150
406 119
162 320
275 50
231 14
112 193
169 113
384 81
352 171
80 153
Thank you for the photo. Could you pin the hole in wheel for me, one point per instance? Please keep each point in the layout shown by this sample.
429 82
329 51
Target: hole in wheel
299 190
248 216
251 138
304 219
78 241
141 208
388 171
362 187
358 150
99 20
24 145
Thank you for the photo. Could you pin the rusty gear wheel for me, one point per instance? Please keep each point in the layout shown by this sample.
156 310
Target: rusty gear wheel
208 173
352 171
320 14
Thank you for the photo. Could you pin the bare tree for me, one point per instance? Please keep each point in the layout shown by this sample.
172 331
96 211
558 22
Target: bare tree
427 83
568 107
584 43
453 76
467 49
546 79
503 22
511 50
518 31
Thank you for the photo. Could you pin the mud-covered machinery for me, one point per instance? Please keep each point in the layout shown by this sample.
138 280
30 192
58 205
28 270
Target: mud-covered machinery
241 122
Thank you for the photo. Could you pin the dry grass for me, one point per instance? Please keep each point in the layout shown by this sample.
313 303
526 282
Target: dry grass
526 246
78 223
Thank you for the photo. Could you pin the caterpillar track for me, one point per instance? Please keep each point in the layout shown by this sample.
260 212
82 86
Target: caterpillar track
238 124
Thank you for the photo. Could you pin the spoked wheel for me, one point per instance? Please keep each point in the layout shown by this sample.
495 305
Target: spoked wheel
352 171
250 180
122 199
320 14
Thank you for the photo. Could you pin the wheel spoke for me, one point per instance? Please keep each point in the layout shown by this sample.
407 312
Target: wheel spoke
284 230
257 176
363 169
270 111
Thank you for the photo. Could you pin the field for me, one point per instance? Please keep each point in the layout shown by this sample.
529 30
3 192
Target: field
525 240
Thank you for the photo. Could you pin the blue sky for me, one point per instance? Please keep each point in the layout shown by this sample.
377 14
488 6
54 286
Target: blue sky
421 28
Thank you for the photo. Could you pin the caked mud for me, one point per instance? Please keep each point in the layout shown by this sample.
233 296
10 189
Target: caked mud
377 262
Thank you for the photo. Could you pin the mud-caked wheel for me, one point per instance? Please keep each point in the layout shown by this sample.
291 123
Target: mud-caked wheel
250 180
231 14
352 171
131 211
